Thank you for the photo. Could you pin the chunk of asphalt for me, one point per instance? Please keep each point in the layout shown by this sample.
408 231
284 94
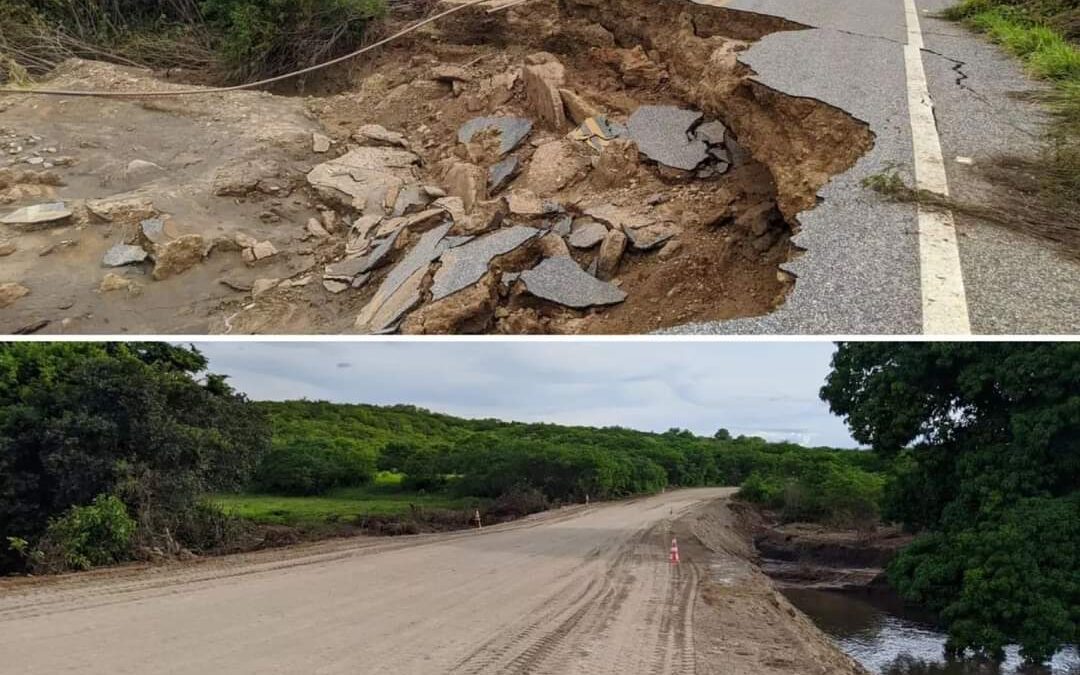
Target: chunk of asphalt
712 133
562 281
154 230
662 134
465 265
561 225
649 237
37 214
385 318
346 269
124 254
430 246
511 130
587 233
500 174
379 254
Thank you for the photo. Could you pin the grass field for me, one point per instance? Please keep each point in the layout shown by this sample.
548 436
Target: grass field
383 498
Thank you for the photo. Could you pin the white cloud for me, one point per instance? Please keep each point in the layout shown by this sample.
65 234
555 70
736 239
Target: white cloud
767 389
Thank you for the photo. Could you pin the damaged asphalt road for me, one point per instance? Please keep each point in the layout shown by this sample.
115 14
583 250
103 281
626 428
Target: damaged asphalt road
860 272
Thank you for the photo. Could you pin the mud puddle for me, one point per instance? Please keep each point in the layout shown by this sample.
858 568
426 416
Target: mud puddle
888 638
575 167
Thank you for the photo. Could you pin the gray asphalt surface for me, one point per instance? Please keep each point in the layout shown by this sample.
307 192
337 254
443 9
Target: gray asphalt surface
860 271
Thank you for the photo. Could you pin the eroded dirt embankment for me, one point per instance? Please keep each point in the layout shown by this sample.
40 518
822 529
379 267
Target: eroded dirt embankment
372 210
812 555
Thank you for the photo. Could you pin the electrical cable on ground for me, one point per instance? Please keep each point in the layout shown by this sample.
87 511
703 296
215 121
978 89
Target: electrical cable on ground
249 85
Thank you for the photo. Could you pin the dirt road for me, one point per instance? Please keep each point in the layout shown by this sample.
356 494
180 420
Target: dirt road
581 590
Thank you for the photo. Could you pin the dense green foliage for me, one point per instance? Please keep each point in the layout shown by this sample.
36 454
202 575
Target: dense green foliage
79 420
86 536
489 458
987 441
241 38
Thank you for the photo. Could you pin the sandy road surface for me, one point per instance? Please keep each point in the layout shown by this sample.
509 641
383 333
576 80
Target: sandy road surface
582 591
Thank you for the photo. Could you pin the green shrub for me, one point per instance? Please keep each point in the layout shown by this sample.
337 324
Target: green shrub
314 466
89 536
266 37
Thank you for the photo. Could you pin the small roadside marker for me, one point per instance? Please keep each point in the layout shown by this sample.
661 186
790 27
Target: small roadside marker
674 550
477 517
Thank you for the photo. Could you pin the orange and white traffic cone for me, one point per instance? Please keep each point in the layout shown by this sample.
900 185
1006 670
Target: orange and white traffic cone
674 550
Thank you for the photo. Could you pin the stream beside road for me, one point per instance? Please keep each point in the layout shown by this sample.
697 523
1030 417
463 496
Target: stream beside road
888 638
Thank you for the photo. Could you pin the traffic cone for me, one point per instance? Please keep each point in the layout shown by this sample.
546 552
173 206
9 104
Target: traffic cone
674 550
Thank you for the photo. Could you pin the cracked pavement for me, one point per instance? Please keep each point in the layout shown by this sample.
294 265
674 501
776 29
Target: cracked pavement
859 273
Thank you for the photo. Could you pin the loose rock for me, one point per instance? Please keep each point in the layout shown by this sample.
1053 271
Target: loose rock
263 250
315 229
320 143
469 311
113 282
577 107
611 252
263 285
363 177
10 292
377 135
670 250
37 214
544 76
468 183
178 256
7 248
618 164
555 166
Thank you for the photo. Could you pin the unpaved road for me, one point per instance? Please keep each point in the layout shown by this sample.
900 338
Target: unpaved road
582 590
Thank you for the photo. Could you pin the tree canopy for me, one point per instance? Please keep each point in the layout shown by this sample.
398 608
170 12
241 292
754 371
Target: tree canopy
986 439
133 420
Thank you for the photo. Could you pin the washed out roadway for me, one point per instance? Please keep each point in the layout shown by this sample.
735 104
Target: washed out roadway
580 590
860 272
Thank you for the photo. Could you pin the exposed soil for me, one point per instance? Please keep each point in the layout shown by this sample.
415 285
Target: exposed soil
578 590
235 163
811 555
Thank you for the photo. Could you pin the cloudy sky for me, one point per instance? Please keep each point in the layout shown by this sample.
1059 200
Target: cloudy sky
761 389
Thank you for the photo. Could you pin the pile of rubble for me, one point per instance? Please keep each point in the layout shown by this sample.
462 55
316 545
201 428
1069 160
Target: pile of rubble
493 235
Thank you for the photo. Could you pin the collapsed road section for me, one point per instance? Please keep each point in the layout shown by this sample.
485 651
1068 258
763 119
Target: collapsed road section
584 166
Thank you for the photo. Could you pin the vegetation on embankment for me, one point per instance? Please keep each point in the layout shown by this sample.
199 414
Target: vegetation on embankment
233 40
985 444
1045 34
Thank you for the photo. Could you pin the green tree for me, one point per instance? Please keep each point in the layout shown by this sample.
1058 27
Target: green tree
986 437
135 420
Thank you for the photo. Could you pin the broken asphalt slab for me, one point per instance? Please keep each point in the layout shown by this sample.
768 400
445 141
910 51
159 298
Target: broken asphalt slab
388 305
464 265
511 130
662 134
562 281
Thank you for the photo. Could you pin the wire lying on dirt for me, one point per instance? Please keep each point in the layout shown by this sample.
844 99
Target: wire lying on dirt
257 83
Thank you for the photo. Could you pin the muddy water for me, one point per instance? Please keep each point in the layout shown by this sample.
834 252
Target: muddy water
889 639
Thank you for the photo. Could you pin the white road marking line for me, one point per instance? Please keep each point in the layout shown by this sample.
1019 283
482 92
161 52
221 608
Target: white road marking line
944 304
